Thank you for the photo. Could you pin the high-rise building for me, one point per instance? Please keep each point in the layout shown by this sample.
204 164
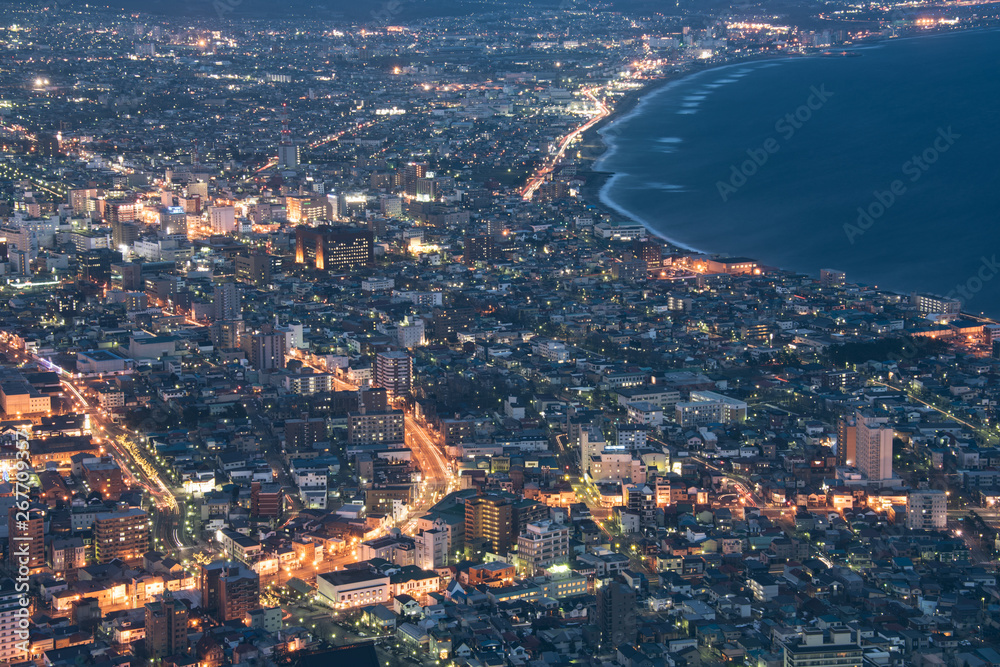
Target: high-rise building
265 351
927 509
490 518
253 269
817 649
288 152
229 590
227 334
394 372
124 234
122 534
383 428
847 440
874 447
222 219
481 248
303 210
542 543
304 433
412 172
266 500
616 614
288 157
127 276
226 302
649 252
10 613
431 549
173 220
26 537
327 248
95 265
166 627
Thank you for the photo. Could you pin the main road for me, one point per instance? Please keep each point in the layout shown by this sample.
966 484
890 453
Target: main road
437 480
136 466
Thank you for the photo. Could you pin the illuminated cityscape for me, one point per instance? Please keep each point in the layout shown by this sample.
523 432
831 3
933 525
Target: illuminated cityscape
317 342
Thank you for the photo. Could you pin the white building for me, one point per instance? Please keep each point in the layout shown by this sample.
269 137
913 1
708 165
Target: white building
708 407
10 611
645 413
617 467
927 510
222 219
542 543
348 589
432 549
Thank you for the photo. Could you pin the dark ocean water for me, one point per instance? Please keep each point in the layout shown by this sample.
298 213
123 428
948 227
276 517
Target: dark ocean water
772 160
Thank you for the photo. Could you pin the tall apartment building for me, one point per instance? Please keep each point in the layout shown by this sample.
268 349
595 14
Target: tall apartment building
817 649
121 534
327 248
266 500
228 590
394 372
227 334
847 440
265 350
542 543
616 614
253 269
927 510
222 219
874 446
239 594
304 433
166 627
226 302
10 608
26 538
490 518
431 549
376 427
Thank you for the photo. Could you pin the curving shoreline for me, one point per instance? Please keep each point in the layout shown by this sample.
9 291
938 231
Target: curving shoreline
601 146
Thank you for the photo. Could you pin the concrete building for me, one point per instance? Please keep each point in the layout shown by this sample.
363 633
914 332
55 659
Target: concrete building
26 537
874 447
542 543
328 248
11 610
166 627
121 534
376 427
616 614
394 372
927 510
431 549
348 589
815 648
490 518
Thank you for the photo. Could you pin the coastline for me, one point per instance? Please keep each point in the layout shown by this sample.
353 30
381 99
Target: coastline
595 149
